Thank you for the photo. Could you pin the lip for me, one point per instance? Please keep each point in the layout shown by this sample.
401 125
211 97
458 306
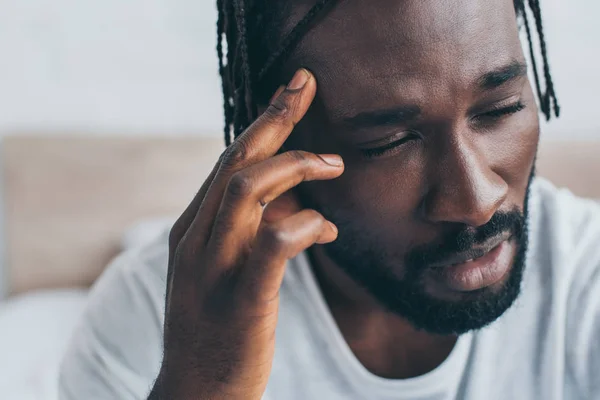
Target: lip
478 273
471 254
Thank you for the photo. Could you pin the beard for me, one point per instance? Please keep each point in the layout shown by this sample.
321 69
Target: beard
367 265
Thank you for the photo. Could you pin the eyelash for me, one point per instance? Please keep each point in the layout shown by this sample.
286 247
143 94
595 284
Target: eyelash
379 151
493 115
503 111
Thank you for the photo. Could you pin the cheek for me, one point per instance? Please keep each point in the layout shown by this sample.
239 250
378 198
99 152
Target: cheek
376 193
387 190
377 199
512 154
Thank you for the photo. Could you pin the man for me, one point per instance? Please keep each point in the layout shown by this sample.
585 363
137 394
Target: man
394 246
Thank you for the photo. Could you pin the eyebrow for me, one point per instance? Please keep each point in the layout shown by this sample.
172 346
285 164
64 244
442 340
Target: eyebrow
406 114
389 117
500 76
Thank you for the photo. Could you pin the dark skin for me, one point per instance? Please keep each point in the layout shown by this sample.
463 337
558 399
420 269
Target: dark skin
443 57
443 67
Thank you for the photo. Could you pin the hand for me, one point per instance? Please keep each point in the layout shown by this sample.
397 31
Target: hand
228 253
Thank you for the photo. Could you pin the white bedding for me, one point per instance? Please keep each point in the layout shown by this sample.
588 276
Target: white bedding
34 330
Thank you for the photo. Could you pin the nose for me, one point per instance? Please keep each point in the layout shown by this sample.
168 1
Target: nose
463 187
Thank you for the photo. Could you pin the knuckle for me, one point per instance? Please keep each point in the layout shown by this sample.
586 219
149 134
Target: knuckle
240 185
275 238
237 153
301 157
277 112
315 216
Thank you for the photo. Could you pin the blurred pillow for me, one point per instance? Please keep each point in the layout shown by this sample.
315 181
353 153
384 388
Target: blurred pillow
145 231
34 331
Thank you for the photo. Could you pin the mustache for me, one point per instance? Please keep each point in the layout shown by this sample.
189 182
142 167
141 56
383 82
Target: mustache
467 238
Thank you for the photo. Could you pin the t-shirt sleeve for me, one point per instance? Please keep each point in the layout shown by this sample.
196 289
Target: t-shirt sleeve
589 337
583 350
583 313
116 350
594 364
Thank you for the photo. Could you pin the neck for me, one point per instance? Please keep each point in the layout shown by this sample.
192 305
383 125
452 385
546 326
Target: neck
386 344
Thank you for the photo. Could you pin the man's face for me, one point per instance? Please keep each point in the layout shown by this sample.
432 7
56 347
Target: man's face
429 105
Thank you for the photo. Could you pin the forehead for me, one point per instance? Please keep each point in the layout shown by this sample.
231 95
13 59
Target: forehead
368 51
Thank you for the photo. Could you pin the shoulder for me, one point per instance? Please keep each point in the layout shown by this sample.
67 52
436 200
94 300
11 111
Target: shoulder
116 349
564 229
567 237
559 207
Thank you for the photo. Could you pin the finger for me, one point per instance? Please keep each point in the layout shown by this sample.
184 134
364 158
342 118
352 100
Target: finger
251 189
260 141
264 137
179 230
275 244
282 207
184 221
279 90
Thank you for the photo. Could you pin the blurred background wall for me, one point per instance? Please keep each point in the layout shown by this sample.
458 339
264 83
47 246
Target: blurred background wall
130 67
136 67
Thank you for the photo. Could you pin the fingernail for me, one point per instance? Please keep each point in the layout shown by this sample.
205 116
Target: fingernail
299 80
332 159
333 227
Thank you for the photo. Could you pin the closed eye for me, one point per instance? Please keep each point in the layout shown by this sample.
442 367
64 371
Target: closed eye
387 148
490 116
501 111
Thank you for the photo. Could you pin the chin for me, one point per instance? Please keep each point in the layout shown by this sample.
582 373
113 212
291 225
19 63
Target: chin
450 302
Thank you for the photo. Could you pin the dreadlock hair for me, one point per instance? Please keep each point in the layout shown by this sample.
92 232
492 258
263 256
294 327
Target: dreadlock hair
243 28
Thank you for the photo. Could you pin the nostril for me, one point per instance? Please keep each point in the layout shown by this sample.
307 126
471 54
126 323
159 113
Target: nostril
469 204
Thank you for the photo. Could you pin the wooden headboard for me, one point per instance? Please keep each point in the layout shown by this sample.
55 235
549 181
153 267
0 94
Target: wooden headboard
68 200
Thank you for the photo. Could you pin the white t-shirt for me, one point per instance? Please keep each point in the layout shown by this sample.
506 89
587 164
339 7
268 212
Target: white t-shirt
547 346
